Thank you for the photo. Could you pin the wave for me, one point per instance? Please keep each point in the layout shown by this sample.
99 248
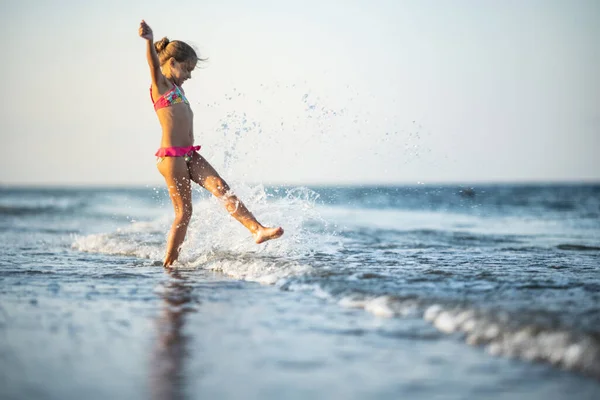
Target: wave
36 209
36 202
501 333
577 247
530 336
269 270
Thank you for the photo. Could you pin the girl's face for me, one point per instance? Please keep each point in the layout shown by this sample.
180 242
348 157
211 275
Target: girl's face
182 71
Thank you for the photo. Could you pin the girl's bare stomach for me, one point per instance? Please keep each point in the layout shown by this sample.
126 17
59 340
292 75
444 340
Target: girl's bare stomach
176 139
177 126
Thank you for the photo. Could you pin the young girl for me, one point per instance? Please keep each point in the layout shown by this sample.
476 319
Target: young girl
171 64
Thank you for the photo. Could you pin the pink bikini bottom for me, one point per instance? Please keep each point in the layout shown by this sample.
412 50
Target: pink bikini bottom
176 151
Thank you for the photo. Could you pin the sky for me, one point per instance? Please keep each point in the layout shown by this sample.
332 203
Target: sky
307 92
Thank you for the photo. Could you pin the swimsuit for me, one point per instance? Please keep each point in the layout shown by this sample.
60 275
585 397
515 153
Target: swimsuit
174 96
185 152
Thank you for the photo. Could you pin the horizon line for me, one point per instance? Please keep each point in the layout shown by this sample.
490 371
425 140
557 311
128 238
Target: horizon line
121 185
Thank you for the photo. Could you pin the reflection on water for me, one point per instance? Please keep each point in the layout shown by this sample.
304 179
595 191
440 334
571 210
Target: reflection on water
170 352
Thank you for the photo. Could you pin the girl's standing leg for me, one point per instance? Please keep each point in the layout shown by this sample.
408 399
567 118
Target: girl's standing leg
205 175
177 177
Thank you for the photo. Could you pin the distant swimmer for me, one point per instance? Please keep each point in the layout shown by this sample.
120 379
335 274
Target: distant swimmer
468 192
171 64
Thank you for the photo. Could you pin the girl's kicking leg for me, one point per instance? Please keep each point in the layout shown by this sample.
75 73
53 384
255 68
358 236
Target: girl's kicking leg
176 174
205 175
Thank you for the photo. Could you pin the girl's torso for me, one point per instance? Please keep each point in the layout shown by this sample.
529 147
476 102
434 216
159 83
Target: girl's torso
175 116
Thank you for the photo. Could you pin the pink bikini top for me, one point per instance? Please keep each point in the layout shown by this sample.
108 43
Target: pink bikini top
173 96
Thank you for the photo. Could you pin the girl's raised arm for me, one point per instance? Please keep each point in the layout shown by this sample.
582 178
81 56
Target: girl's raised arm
146 33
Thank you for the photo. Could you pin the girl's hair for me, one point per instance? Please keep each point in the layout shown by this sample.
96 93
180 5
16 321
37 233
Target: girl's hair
180 51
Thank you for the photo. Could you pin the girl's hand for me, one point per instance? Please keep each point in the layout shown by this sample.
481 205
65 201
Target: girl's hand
145 31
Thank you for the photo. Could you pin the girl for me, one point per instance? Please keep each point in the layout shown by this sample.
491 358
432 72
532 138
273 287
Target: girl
171 64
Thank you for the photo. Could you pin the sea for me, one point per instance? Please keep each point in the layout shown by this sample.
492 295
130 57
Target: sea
479 291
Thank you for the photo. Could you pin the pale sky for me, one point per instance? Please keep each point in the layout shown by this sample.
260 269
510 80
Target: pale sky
308 92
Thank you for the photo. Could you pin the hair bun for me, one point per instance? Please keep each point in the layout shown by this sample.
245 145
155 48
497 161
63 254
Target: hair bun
161 44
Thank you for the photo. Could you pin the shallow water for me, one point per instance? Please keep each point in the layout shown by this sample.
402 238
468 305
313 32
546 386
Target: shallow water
421 292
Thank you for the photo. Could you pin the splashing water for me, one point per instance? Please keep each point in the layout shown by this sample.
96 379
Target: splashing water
216 241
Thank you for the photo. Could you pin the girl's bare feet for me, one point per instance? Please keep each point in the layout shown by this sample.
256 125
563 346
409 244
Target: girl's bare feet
170 258
263 234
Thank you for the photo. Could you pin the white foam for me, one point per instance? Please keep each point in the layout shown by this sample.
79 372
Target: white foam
501 338
432 312
262 270
381 306
496 332
445 322
350 302
139 239
312 288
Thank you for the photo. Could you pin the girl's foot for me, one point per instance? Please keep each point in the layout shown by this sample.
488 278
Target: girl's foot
170 258
263 234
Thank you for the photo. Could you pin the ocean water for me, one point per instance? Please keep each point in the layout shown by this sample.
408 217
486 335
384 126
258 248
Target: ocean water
422 292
